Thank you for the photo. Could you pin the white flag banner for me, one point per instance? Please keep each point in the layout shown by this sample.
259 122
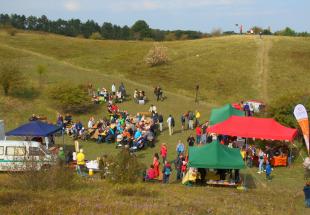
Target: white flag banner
301 116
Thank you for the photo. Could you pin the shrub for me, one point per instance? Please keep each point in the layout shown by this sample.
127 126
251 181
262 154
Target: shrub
282 108
125 168
216 32
11 76
95 36
11 31
157 56
71 98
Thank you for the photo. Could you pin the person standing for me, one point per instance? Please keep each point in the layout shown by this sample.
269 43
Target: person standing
190 120
163 151
166 172
156 164
61 156
198 134
80 161
183 121
204 133
113 89
178 166
160 121
180 148
261 161
197 117
268 171
170 123
191 140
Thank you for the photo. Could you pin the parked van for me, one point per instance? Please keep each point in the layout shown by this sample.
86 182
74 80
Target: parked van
23 156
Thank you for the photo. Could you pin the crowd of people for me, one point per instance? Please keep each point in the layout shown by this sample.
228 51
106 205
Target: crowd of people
138 131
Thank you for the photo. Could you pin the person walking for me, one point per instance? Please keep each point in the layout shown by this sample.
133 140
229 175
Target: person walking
171 124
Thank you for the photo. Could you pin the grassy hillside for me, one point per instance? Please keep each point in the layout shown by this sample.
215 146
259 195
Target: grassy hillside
228 69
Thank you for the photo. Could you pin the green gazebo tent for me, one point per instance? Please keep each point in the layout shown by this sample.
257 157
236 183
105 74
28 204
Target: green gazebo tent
215 156
223 113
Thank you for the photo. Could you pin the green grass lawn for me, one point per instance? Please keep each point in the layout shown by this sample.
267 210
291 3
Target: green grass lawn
228 69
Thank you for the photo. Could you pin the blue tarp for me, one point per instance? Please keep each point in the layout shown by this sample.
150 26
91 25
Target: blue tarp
34 129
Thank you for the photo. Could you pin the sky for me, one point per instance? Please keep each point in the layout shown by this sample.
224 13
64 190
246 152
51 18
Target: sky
201 15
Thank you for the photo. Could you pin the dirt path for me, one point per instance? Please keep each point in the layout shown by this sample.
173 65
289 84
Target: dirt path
100 73
265 45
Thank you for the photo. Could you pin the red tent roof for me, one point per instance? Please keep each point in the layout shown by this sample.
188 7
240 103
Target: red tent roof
251 127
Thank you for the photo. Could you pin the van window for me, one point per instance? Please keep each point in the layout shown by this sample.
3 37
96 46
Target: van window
1 150
15 151
34 151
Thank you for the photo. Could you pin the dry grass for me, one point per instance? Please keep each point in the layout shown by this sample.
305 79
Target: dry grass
226 69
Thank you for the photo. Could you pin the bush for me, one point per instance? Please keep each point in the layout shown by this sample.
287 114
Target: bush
125 168
11 76
71 98
96 36
282 109
11 31
216 32
157 56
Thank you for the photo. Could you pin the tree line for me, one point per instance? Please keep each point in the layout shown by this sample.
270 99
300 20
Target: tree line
140 30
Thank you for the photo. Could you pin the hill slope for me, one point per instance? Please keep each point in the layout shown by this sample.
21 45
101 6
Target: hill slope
228 69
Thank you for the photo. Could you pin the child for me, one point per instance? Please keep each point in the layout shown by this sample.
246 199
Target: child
166 172
163 152
307 194
268 171
184 167
150 175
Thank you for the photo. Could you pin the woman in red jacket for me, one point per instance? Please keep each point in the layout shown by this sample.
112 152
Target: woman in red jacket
156 164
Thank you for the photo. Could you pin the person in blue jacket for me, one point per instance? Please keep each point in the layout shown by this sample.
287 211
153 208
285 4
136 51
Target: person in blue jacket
268 171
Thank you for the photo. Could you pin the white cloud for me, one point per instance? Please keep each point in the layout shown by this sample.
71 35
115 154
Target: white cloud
72 5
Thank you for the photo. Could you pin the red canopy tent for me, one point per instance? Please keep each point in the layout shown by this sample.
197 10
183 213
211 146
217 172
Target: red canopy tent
251 127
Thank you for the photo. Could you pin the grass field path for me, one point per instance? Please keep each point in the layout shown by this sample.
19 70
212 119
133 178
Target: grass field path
265 45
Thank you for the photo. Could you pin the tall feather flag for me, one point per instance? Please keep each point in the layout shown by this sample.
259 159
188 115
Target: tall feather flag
301 116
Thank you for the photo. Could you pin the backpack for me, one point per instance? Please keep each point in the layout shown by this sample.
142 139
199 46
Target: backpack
167 171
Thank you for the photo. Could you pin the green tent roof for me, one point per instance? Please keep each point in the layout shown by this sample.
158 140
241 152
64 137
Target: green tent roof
215 156
223 113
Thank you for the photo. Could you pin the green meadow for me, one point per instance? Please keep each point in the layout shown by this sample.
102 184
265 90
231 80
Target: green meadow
228 69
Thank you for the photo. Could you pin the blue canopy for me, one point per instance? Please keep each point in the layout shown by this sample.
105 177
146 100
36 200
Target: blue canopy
34 129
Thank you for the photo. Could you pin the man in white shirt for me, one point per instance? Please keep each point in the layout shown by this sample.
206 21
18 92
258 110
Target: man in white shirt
153 109
170 122
113 88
